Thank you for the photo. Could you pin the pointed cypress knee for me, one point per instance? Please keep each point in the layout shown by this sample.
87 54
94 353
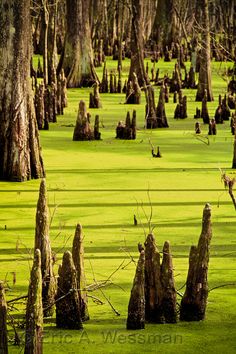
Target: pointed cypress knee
34 309
194 301
3 321
78 258
153 286
168 286
42 242
68 313
136 308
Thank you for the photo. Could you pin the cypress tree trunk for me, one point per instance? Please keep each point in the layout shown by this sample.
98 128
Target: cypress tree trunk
42 242
20 157
3 321
137 45
78 58
204 80
34 310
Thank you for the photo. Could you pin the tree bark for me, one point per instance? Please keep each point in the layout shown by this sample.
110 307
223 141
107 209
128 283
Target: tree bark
153 286
136 308
137 43
78 259
68 313
3 321
42 242
78 59
204 80
20 156
194 301
34 310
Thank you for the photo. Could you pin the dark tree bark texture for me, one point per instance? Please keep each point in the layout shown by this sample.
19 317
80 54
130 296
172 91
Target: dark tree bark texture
20 156
78 57
3 321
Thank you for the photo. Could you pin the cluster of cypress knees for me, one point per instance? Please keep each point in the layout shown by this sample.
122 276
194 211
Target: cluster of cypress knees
153 294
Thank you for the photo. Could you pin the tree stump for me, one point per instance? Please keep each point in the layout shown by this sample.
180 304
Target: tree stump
82 129
204 111
97 134
133 93
212 127
151 118
153 286
34 310
194 301
3 321
78 259
68 311
160 111
136 308
197 128
104 82
42 242
168 286
94 101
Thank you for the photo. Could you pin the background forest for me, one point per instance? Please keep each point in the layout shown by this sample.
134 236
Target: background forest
117 168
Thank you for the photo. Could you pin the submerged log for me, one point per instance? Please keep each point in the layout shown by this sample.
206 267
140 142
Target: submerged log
42 242
34 310
194 301
153 286
136 308
168 286
68 311
3 321
78 259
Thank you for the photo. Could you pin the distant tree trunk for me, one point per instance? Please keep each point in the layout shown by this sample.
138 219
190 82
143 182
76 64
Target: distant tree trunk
204 80
137 43
78 57
20 157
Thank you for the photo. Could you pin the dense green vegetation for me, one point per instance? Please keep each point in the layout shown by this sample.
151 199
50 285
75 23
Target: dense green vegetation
102 184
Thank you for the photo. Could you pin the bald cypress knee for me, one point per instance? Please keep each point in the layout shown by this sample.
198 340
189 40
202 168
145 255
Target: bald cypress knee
3 321
78 259
168 286
34 310
68 310
153 286
136 308
194 301
42 242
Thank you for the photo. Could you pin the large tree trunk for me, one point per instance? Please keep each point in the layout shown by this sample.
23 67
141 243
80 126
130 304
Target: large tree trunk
204 81
78 58
20 157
